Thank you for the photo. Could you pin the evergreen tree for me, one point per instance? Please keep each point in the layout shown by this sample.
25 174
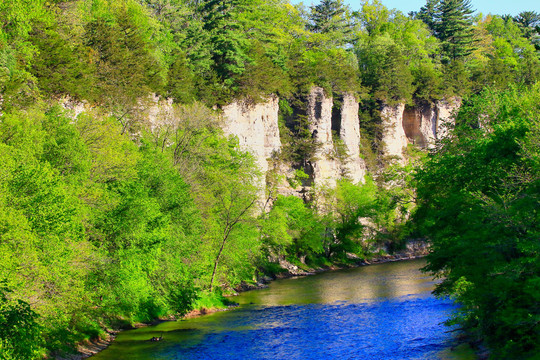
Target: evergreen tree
229 41
529 22
330 16
454 28
428 14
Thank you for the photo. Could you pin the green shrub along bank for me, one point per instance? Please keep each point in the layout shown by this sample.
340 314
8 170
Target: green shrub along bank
107 219
478 199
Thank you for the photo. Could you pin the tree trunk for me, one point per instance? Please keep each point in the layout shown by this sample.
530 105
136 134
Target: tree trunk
225 236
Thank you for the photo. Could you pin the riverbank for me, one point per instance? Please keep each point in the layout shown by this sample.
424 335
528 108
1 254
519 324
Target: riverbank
413 250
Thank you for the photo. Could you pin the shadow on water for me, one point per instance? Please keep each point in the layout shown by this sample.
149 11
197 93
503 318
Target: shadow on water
381 311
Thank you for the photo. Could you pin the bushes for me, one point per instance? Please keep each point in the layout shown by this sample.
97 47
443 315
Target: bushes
19 331
478 202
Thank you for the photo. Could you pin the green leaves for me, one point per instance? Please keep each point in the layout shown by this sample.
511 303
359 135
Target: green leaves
19 330
478 202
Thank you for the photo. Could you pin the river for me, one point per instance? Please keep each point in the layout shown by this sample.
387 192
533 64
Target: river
382 311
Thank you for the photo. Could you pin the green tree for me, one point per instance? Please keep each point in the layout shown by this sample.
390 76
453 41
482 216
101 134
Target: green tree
333 18
229 42
354 204
529 22
428 14
454 28
128 66
478 202
293 229
19 330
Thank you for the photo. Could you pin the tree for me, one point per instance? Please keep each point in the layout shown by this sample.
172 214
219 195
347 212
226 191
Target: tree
454 28
231 182
428 14
507 56
332 17
127 64
529 22
478 199
19 331
228 40
528 19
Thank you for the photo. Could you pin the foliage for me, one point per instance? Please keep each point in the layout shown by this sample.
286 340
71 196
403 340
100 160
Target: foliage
19 331
292 228
131 207
454 28
478 195
333 18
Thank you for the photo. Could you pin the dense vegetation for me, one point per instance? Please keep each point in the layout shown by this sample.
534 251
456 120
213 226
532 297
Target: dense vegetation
107 219
479 202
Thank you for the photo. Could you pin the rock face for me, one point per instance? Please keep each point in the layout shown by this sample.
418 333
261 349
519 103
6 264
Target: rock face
326 169
256 126
394 135
421 124
446 110
354 167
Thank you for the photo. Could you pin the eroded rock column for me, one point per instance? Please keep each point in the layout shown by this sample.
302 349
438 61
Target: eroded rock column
445 115
326 168
355 167
394 136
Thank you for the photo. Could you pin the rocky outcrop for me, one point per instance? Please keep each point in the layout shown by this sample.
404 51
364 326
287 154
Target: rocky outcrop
325 168
256 126
354 167
421 124
394 137
445 115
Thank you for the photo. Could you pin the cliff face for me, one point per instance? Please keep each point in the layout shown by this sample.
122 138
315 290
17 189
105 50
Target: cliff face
354 167
421 124
256 126
394 135
326 169
446 110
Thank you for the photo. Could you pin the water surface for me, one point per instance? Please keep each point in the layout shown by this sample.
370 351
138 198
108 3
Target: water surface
382 311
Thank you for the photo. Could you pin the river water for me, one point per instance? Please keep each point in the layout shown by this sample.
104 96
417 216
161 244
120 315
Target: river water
382 311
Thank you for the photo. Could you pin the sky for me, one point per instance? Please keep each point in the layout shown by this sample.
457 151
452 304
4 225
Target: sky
500 7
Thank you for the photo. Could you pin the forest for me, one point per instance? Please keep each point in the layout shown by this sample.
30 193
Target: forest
107 220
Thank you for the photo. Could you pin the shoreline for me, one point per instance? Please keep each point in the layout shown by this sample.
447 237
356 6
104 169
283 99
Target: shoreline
92 347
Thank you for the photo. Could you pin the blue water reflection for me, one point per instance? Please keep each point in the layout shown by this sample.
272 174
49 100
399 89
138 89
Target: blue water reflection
404 328
384 311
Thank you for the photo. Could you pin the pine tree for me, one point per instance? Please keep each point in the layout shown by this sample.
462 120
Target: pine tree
229 42
529 23
330 16
428 14
454 28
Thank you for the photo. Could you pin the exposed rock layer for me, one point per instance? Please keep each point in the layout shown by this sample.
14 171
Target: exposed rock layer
354 167
256 126
421 124
394 136
326 168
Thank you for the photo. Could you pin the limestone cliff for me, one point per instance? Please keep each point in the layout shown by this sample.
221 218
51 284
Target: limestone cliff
326 169
394 136
256 126
446 110
354 166
420 124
